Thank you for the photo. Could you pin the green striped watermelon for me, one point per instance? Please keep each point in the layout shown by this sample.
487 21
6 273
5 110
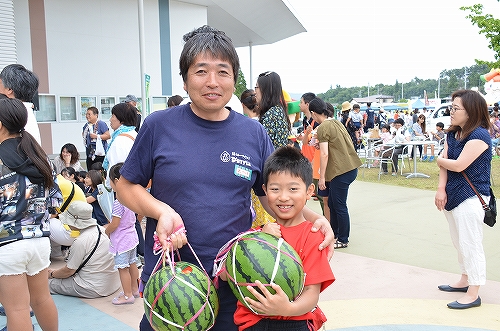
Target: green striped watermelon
267 258
185 300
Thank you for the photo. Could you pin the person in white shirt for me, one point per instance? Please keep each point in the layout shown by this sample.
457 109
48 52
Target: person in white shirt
400 135
20 83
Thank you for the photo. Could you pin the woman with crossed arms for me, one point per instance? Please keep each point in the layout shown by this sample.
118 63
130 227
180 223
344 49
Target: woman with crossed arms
467 149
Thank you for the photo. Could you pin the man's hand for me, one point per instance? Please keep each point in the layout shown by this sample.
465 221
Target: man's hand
322 224
170 230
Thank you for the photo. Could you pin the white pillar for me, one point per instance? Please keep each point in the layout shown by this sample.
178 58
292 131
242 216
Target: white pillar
251 65
142 55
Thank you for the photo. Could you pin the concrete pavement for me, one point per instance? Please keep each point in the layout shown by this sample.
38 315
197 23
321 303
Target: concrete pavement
399 251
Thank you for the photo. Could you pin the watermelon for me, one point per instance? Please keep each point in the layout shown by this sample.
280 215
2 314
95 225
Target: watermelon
184 299
267 258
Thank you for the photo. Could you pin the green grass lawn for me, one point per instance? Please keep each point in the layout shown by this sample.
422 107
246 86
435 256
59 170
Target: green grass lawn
428 168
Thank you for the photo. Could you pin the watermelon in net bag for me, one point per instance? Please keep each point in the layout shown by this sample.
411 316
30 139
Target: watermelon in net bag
267 258
180 296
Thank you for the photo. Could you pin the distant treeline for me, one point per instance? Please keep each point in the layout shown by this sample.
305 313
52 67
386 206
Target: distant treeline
450 81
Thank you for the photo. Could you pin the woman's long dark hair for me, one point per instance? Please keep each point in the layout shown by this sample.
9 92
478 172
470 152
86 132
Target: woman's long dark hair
14 116
271 93
477 110
422 125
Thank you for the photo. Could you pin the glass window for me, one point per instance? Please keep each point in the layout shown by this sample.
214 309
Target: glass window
47 112
159 103
106 104
85 103
67 105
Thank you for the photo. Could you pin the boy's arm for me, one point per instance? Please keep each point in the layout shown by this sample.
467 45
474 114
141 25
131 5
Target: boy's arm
279 305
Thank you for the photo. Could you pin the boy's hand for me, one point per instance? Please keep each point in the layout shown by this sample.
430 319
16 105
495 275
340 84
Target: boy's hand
269 304
272 228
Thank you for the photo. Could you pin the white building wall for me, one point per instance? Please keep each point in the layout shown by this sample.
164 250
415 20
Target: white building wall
93 46
23 37
184 17
93 51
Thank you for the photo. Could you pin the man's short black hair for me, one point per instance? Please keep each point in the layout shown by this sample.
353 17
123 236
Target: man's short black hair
308 97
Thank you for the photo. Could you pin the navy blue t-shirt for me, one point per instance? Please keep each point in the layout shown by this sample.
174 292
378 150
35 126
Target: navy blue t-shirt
370 115
204 170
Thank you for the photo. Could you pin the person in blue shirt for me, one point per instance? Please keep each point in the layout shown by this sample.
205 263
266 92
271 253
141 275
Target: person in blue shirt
467 152
370 117
201 169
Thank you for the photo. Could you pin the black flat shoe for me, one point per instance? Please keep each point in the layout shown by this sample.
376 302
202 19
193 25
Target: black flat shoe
458 305
448 288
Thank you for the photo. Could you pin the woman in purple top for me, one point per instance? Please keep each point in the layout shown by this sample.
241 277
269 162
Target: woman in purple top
467 149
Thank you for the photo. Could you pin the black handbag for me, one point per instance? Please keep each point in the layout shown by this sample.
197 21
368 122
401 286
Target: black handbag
490 210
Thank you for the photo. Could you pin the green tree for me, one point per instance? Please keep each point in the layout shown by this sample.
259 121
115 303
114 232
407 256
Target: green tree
241 84
490 27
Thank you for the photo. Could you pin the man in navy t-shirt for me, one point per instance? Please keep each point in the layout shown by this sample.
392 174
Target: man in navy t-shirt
202 168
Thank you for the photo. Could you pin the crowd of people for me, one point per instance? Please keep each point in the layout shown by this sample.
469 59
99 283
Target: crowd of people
260 180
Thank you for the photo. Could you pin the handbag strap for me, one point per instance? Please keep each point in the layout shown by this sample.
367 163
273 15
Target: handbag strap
485 206
69 198
91 253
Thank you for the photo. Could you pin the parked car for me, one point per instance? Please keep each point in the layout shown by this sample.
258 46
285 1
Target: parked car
440 114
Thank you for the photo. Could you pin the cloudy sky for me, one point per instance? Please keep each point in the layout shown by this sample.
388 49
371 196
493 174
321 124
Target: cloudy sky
367 42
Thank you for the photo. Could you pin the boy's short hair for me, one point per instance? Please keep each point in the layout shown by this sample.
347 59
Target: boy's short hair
440 124
288 159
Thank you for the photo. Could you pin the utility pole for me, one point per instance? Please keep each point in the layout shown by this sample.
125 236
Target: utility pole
439 86
465 78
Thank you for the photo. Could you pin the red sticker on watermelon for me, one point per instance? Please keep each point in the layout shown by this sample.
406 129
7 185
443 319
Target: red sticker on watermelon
187 270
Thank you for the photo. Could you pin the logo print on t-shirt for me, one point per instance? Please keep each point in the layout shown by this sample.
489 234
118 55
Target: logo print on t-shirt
225 157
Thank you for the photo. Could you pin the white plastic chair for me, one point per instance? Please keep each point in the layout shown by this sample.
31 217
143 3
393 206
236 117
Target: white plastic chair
385 157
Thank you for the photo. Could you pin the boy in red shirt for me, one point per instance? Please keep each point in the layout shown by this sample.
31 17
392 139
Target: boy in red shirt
288 186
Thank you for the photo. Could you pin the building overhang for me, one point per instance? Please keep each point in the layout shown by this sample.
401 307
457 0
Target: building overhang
252 22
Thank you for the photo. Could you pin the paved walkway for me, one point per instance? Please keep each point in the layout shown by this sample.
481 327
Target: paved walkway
399 251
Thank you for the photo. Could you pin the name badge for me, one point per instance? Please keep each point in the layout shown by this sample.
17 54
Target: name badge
243 172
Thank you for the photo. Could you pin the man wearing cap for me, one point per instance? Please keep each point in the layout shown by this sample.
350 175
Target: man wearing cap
89 271
131 99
